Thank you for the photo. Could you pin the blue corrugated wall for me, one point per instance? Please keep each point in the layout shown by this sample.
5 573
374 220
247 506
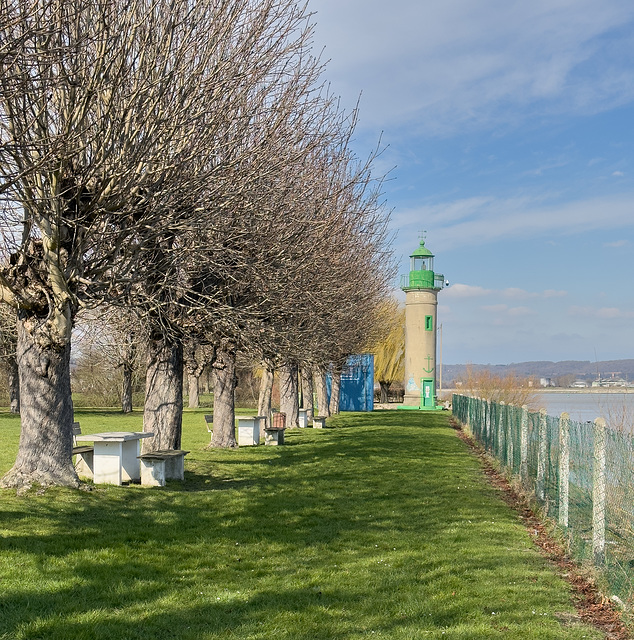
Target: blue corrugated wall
357 384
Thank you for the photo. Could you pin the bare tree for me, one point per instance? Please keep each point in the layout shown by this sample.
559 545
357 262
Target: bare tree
289 393
267 372
306 376
335 389
117 338
224 388
323 407
222 254
104 114
198 355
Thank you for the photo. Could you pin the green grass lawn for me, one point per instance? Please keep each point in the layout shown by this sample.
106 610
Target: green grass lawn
381 527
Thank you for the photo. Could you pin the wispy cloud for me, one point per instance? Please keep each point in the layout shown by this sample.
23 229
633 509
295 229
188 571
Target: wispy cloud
514 292
616 244
601 313
445 65
465 291
458 291
485 220
503 315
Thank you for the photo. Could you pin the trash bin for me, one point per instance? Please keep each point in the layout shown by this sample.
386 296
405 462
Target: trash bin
279 420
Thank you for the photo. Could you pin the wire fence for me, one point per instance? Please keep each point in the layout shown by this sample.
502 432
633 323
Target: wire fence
581 473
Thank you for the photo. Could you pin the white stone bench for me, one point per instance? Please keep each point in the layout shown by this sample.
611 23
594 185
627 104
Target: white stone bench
84 462
319 422
159 466
303 418
274 435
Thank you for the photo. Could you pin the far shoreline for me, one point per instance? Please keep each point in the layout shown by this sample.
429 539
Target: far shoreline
540 390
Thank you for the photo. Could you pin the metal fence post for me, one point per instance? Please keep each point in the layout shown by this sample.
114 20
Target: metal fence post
524 445
598 493
540 483
564 467
487 424
499 445
510 414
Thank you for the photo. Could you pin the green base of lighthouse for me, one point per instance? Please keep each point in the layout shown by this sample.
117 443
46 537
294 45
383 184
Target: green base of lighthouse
427 398
406 407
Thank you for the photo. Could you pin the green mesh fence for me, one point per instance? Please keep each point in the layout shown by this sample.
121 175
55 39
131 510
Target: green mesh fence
554 459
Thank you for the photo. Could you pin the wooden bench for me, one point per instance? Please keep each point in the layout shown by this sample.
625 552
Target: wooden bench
274 435
84 462
161 465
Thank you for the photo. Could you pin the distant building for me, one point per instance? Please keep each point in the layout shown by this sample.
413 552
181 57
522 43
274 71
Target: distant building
610 382
545 382
579 384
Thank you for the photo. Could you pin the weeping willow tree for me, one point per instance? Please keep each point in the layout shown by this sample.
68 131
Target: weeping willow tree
389 352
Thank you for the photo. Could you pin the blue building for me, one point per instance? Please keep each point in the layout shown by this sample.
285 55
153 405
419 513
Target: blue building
357 384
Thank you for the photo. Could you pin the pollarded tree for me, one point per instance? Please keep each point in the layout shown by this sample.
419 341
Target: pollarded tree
224 260
103 109
352 280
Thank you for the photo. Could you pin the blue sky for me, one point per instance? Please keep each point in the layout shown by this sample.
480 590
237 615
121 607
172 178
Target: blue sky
509 128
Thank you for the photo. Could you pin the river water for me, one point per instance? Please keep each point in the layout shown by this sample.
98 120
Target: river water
617 408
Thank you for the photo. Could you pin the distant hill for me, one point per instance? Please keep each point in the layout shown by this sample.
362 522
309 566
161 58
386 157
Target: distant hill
582 369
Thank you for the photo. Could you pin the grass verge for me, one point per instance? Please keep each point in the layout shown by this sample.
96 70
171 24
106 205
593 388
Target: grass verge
381 527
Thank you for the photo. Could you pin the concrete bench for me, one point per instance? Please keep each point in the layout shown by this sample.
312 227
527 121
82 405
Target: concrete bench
84 462
159 466
248 431
303 418
209 421
319 422
274 435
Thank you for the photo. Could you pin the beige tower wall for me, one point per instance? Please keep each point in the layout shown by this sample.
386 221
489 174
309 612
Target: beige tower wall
420 344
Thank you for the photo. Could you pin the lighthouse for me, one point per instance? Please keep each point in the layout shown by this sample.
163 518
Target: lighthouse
421 287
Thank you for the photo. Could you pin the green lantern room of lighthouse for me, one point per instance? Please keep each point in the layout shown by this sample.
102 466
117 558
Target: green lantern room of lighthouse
421 271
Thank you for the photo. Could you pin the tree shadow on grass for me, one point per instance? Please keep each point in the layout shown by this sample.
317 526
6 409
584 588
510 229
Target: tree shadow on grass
277 524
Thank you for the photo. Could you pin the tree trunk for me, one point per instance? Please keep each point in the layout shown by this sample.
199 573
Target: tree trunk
163 412
126 388
307 393
46 437
266 391
193 394
196 358
322 393
14 385
385 388
225 380
206 385
127 364
335 392
289 400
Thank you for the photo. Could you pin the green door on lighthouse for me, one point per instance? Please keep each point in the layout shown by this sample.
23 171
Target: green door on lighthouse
427 392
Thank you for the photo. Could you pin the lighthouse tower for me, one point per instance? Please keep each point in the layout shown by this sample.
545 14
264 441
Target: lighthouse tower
421 288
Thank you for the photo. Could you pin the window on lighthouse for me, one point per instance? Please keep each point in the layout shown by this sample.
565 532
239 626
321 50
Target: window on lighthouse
429 323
